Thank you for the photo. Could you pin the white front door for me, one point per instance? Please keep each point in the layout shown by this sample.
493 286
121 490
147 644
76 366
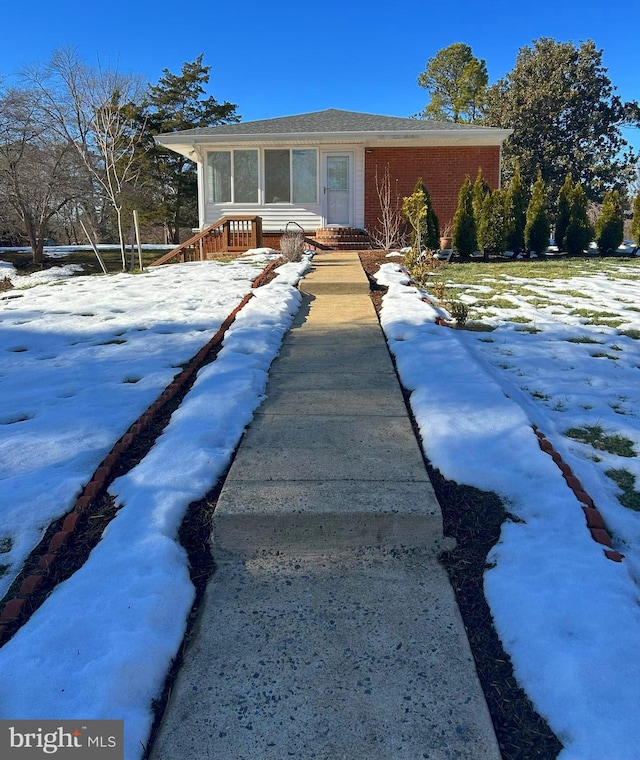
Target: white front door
338 189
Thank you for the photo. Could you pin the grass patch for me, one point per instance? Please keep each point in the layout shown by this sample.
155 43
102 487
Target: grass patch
595 436
529 329
631 333
572 293
520 320
480 327
502 303
539 395
626 481
604 355
6 544
598 317
584 339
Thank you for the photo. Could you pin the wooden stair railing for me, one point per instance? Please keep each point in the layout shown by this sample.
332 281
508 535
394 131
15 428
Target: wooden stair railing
230 234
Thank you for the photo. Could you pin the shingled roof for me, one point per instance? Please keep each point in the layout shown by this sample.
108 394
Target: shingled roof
332 125
330 120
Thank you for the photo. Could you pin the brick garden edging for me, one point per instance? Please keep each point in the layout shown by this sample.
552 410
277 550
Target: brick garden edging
18 609
594 519
595 522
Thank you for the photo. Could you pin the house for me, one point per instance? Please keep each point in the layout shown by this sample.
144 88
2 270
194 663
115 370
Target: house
319 169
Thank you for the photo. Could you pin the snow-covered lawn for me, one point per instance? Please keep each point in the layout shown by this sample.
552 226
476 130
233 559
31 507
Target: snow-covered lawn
569 617
82 359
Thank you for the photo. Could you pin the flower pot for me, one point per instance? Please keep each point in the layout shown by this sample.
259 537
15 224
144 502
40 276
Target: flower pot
445 242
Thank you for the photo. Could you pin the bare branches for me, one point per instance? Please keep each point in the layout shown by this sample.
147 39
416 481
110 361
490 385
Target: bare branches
94 110
387 233
38 170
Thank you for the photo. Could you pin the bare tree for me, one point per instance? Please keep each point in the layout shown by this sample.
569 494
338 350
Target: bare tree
94 109
37 168
387 233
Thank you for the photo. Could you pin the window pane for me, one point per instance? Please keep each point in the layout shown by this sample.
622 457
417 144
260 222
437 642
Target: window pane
337 172
277 176
305 176
245 176
219 176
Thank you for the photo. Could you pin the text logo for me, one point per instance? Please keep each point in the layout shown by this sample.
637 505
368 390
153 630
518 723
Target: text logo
62 739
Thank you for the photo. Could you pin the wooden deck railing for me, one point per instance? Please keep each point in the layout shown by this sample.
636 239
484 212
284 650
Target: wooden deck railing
230 234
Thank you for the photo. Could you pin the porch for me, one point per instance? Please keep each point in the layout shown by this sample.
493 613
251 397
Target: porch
236 234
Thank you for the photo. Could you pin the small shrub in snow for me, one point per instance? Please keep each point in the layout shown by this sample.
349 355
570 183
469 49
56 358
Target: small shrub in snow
292 246
459 311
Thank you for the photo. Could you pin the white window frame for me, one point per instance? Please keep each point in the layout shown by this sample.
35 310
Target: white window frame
262 176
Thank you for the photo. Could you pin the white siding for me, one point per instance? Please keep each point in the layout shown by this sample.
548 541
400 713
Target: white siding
274 216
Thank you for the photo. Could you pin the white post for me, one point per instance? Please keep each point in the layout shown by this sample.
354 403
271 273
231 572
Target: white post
137 226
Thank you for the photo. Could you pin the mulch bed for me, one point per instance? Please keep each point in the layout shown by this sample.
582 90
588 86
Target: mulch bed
474 518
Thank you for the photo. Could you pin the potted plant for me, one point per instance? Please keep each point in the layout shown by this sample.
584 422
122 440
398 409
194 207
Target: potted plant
446 238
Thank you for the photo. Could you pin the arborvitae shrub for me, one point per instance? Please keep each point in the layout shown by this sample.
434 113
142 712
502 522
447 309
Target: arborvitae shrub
563 212
491 231
430 225
464 225
480 191
536 231
515 212
635 224
610 223
579 232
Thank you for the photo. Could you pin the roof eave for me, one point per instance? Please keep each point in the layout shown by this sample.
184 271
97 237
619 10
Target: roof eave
186 143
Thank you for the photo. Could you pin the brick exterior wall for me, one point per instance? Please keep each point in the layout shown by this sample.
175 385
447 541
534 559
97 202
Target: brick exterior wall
442 169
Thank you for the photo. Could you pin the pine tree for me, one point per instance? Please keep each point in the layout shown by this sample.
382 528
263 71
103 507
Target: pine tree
515 212
464 224
579 231
176 103
491 229
457 82
536 231
635 224
610 223
563 211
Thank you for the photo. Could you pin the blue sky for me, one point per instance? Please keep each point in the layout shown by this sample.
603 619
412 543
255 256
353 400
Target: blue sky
281 58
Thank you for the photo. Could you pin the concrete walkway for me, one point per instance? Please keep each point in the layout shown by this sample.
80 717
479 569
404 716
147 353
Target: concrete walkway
329 629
